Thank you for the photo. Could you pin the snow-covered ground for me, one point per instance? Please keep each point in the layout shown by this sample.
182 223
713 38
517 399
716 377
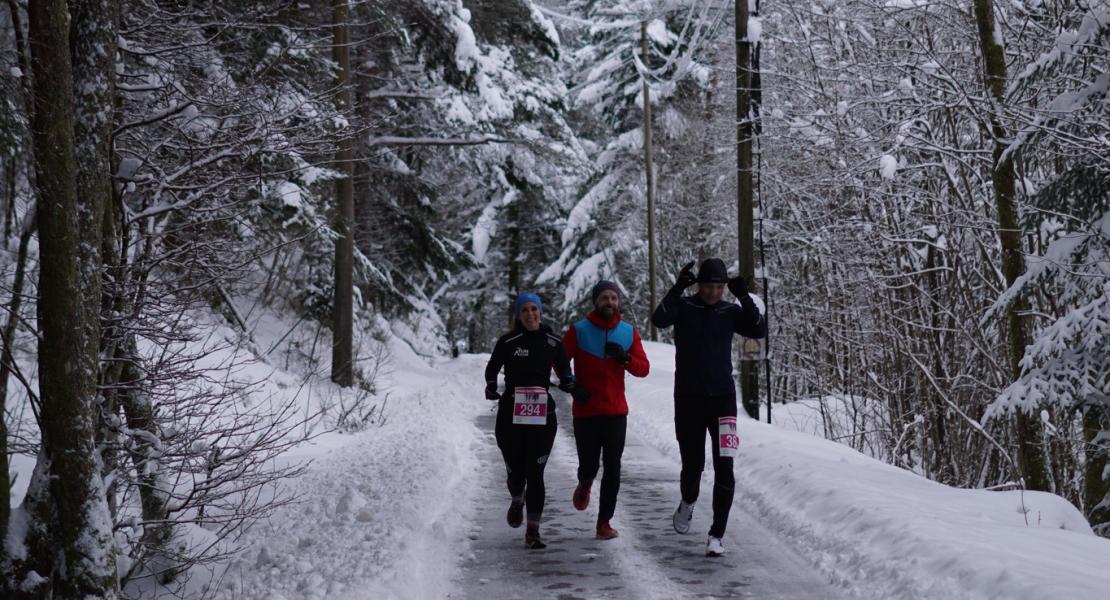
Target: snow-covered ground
383 512
387 512
395 511
887 532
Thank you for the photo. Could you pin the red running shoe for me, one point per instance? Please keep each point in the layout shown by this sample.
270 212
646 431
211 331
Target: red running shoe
581 497
605 532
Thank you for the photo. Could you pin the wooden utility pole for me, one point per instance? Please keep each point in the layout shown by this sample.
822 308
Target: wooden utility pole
749 372
649 170
342 357
1028 428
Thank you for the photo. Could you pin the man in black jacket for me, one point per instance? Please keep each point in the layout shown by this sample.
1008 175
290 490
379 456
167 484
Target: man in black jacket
704 392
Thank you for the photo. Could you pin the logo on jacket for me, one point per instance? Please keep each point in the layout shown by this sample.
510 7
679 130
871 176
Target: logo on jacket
521 352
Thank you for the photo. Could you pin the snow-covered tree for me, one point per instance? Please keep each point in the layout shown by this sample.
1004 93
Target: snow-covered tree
1059 118
605 231
464 176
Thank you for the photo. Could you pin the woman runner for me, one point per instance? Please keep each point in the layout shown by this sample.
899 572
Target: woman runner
526 421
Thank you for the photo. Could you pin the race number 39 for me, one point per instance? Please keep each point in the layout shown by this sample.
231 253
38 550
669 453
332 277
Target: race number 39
530 406
729 438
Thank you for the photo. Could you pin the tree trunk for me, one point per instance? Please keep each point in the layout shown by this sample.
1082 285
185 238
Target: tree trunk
1096 483
749 370
648 171
93 35
516 250
1028 428
73 539
120 380
342 359
140 417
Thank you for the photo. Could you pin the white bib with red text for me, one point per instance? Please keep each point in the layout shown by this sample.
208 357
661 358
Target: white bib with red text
729 438
529 406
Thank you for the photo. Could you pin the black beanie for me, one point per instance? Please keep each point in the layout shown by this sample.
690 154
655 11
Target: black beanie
713 270
601 286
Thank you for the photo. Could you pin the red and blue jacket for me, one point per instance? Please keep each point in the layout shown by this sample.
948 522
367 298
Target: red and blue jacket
603 377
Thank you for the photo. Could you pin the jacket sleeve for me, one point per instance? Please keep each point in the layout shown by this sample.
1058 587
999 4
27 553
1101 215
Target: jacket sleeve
562 364
570 343
496 361
749 322
638 364
668 311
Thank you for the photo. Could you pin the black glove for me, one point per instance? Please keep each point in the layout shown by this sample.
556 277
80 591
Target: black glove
491 391
567 385
614 350
739 288
580 394
686 278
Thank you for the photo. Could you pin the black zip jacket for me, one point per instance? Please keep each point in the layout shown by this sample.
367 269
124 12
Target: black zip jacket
528 357
703 341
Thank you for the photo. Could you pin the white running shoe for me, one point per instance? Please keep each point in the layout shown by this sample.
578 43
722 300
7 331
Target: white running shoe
682 516
714 547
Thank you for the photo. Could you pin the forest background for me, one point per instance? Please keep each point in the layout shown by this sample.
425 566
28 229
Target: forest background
930 198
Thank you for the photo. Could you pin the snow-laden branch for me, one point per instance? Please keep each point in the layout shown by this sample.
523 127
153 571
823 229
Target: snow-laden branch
393 140
568 18
1062 106
165 113
1067 48
384 93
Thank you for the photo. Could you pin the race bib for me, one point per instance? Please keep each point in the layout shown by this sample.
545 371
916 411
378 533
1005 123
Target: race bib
529 406
729 438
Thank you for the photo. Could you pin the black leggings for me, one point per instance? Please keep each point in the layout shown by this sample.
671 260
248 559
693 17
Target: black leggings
601 438
693 417
525 449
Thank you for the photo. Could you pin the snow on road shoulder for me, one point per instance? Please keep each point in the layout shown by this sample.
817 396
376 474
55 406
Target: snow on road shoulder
381 515
880 531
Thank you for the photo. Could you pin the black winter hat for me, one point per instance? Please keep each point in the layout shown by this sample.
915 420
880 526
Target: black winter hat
601 286
713 270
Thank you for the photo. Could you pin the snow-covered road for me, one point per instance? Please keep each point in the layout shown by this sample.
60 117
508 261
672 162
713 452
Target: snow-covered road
415 510
649 560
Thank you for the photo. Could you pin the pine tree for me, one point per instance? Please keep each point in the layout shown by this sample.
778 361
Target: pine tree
605 231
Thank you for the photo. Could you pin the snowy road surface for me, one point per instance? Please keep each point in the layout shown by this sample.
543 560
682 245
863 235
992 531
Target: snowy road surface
649 560
415 510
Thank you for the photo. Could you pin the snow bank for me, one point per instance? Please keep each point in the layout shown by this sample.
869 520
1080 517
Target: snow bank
880 531
381 512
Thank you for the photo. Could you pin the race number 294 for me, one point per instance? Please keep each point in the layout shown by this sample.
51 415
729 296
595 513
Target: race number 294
529 406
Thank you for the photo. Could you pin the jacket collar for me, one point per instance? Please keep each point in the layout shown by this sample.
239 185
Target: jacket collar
519 328
600 321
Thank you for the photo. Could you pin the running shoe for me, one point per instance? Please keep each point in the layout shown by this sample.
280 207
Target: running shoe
515 515
532 539
605 532
682 516
581 497
714 547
